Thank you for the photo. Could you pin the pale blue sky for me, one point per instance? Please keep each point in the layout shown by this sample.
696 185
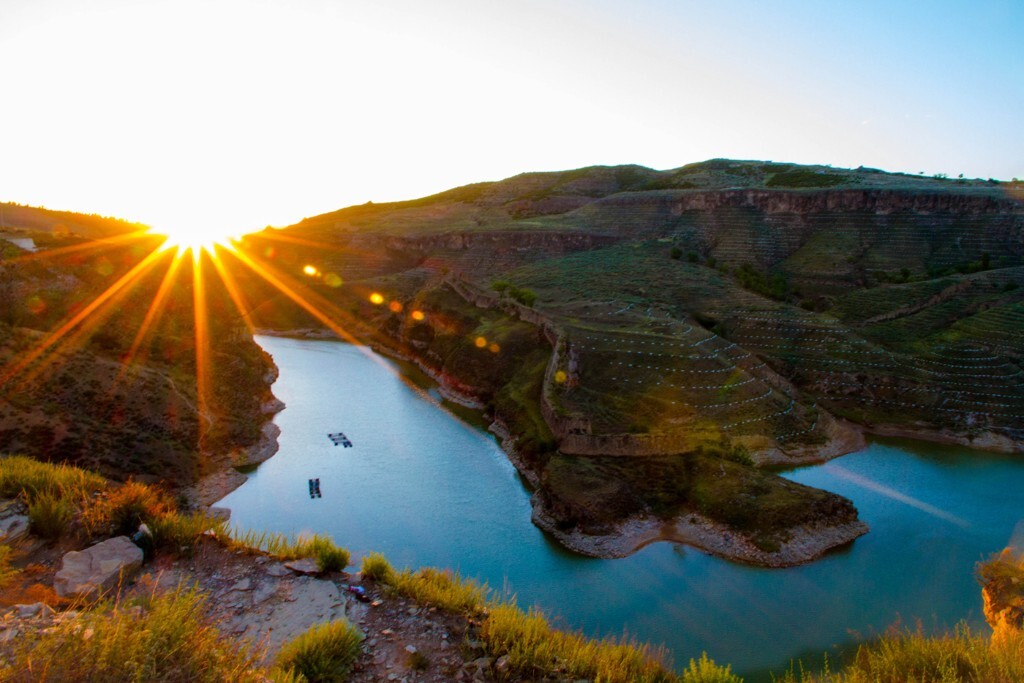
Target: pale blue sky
248 112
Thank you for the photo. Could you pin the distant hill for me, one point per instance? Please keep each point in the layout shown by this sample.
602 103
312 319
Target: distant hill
813 270
752 310
17 217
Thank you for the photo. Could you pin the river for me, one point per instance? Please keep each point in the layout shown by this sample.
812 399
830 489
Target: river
428 489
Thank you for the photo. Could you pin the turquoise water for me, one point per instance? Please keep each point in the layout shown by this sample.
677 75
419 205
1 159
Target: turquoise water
427 489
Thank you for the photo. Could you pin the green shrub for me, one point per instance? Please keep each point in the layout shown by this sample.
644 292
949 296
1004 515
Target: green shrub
49 514
375 566
524 296
272 543
442 589
534 648
168 639
329 557
179 531
20 475
706 671
123 509
326 652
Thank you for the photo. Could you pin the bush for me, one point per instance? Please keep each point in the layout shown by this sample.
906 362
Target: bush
676 253
326 652
179 531
534 647
329 557
124 509
442 589
706 671
20 475
167 640
49 514
524 296
375 566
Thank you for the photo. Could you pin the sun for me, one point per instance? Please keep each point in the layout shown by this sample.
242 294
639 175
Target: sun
195 237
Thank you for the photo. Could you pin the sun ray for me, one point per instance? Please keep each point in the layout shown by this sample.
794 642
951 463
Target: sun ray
202 340
319 246
291 290
864 482
13 369
279 281
290 239
234 291
92 245
156 308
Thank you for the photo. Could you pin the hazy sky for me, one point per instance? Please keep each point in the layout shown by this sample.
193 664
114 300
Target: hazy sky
240 113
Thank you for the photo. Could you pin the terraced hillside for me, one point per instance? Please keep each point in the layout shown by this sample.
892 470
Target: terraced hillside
734 312
753 312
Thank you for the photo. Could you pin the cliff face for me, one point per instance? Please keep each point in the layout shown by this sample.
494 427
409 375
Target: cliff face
854 200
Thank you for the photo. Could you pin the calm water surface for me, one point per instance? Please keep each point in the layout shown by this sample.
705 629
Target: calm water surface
427 489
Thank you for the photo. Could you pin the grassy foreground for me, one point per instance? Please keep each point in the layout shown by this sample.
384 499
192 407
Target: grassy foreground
168 637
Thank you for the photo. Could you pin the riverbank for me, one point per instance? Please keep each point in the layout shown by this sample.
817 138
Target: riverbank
803 543
983 441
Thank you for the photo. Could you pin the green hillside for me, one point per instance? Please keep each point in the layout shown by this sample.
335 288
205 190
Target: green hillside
752 311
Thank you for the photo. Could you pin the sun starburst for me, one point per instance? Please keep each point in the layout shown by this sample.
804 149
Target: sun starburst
201 262
195 237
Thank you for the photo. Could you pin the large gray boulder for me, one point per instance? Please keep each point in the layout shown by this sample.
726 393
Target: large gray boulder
94 571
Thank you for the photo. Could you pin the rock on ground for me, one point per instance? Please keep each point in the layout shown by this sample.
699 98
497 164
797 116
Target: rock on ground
90 573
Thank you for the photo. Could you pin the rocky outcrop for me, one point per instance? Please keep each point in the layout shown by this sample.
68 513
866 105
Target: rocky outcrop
92 572
1002 579
804 544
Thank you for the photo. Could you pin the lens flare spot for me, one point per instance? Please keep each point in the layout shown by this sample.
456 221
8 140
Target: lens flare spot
332 280
560 377
494 348
104 267
311 271
418 315
35 305
270 253
376 299
395 307
480 342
